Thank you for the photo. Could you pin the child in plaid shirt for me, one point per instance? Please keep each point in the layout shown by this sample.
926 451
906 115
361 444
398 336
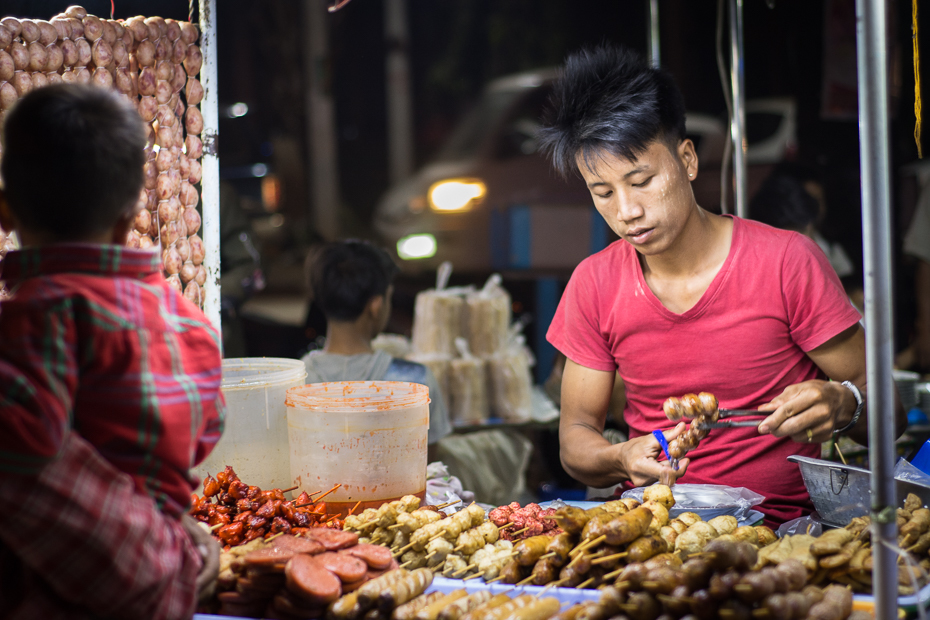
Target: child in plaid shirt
95 348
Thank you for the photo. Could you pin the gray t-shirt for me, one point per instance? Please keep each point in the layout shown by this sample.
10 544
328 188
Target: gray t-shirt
379 366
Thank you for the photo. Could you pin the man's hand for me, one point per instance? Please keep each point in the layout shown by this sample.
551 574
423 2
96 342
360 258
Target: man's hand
808 412
638 459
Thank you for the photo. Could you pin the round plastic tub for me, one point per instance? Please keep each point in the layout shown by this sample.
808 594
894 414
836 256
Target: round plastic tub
368 436
254 441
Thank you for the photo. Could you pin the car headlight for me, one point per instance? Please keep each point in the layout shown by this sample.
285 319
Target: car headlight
456 194
416 246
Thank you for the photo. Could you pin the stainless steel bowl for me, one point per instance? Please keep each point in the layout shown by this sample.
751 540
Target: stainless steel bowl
841 492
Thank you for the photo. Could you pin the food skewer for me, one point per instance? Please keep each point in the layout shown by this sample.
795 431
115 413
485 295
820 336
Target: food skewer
526 581
607 558
338 485
447 504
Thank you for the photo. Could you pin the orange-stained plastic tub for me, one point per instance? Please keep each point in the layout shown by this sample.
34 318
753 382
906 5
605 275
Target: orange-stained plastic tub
368 436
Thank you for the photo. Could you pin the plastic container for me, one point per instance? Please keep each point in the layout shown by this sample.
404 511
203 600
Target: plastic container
254 441
368 436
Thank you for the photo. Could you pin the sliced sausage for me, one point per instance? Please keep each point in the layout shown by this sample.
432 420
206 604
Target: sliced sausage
332 540
285 547
308 578
375 556
346 567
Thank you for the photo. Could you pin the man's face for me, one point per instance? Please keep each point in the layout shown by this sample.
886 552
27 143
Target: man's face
648 201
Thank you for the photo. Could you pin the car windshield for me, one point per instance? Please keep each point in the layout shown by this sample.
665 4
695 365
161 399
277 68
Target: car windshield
477 125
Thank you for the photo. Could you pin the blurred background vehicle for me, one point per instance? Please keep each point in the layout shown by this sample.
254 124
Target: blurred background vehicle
460 205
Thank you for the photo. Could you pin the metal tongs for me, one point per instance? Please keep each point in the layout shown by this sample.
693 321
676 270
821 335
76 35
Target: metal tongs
724 420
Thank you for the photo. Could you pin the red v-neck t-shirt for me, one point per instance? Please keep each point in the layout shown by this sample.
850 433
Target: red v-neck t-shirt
774 298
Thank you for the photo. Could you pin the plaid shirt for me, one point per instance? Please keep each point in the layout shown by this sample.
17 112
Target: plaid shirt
77 541
94 340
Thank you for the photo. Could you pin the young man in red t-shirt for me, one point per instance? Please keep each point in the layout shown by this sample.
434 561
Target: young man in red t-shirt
689 301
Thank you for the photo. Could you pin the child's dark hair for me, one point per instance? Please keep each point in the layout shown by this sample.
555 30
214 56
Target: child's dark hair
346 275
72 160
783 202
609 100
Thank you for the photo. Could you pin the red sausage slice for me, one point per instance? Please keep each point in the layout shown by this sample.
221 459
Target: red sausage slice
375 556
332 540
284 548
309 579
346 567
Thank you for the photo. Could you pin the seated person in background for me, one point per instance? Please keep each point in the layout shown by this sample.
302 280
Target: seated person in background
352 282
792 198
99 357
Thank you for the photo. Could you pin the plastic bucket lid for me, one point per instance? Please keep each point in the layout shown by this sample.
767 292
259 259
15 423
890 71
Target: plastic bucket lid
240 373
357 396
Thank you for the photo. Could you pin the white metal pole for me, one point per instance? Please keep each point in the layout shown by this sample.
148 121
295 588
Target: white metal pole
210 182
876 233
654 33
399 107
738 122
321 122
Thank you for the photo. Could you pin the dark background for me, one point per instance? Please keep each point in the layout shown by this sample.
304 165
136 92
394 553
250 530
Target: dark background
457 46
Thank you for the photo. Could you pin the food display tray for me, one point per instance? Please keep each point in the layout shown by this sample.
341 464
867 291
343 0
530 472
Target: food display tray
752 517
566 596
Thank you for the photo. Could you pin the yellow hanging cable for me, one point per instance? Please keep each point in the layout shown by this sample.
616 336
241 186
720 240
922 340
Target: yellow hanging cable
917 106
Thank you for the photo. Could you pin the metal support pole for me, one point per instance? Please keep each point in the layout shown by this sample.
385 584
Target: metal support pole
399 107
876 228
321 122
738 122
654 33
210 182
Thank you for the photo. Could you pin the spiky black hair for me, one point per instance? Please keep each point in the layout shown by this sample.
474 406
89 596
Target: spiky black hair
609 100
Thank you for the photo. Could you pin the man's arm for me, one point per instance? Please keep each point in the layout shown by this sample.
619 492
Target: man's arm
586 455
823 406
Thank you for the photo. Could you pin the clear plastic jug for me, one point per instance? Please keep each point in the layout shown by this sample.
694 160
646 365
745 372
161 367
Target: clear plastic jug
368 436
254 441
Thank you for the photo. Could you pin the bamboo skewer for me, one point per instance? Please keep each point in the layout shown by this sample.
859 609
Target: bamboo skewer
357 504
584 584
607 558
476 575
587 545
504 527
551 554
615 573
447 504
464 570
553 584
496 579
526 581
518 532
293 488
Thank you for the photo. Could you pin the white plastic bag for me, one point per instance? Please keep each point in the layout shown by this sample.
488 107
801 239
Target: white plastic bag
438 315
487 318
468 391
511 381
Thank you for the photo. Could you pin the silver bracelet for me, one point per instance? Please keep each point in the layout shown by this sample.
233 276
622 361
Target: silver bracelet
859 405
